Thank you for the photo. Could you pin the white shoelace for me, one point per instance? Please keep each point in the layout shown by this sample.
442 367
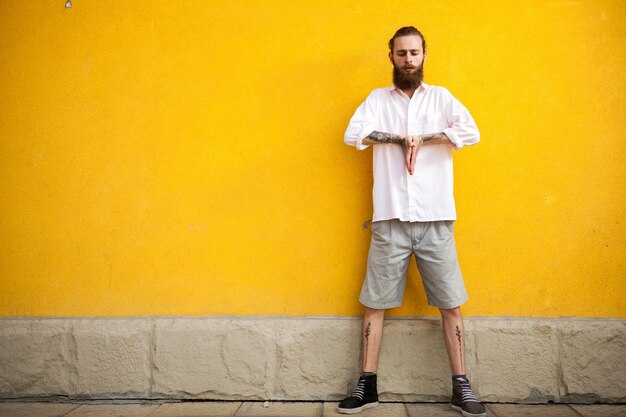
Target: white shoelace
467 394
359 391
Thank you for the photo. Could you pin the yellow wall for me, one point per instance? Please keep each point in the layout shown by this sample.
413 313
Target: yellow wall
187 157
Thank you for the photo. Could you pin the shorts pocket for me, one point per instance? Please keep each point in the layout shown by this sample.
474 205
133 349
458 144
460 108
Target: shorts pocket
380 231
443 231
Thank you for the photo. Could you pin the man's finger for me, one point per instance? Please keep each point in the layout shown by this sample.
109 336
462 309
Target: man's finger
413 157
407 155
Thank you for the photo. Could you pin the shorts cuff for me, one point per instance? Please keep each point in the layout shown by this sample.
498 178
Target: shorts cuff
449 304
379 306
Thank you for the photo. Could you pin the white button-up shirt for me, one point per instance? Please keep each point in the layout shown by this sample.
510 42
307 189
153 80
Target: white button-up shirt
427 195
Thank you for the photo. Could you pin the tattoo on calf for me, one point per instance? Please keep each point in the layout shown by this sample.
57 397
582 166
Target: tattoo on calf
458 336
366 334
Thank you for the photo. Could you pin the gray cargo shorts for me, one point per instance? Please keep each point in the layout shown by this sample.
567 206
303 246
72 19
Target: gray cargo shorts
393 242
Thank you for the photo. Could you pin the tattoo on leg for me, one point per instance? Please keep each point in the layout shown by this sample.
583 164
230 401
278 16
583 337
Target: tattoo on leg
458 336
367 335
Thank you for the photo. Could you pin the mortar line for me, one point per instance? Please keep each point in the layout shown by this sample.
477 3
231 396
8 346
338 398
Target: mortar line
73 348
151 349
562 389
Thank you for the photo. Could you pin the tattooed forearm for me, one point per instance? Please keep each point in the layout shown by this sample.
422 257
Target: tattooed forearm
382 137
434 138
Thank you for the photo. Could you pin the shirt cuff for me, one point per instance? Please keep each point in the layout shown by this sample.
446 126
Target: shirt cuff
457 143
362 135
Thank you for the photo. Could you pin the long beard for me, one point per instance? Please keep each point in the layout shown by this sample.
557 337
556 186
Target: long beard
406 81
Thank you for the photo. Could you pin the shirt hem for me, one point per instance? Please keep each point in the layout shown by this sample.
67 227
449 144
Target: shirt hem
421 219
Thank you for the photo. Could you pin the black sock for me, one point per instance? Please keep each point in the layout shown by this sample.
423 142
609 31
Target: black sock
367 374
459 378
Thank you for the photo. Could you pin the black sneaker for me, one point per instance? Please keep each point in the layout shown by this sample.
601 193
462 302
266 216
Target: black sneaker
465 401
364 396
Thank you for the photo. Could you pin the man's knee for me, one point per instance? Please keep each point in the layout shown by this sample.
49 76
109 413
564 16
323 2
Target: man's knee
374 312
450 312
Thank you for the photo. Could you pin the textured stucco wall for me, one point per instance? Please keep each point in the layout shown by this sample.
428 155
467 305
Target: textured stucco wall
187 158
520 360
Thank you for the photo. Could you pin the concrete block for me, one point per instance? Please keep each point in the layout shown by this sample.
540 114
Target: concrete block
308 358
112 357
318 359
471 355
216 359
187 358
413 364
593 360
36 358
516 360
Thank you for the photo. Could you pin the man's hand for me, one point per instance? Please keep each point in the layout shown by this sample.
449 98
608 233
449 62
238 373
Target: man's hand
411 147
410 144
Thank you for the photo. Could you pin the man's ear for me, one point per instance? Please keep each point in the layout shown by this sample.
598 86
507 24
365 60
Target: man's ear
391 57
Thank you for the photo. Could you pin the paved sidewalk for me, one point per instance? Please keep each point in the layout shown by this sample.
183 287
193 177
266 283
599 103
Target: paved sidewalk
287 409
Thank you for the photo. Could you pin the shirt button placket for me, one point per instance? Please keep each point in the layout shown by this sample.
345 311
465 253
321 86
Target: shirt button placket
410 130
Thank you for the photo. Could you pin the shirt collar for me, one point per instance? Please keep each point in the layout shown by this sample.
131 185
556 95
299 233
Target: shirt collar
423 87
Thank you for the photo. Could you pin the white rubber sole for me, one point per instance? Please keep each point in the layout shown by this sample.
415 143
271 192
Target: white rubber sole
358 409
465 413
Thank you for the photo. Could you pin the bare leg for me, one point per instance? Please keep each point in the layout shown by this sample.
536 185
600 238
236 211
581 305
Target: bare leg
372 337
365 394
454 337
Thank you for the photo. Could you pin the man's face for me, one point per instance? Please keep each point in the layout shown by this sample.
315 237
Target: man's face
407 59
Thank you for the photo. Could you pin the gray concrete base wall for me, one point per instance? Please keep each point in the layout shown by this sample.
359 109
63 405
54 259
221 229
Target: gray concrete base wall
308 358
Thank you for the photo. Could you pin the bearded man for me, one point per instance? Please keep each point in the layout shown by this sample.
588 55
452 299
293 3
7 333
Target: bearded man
413 128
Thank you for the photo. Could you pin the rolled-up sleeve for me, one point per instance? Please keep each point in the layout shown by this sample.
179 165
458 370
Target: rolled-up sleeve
361 124
462 130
